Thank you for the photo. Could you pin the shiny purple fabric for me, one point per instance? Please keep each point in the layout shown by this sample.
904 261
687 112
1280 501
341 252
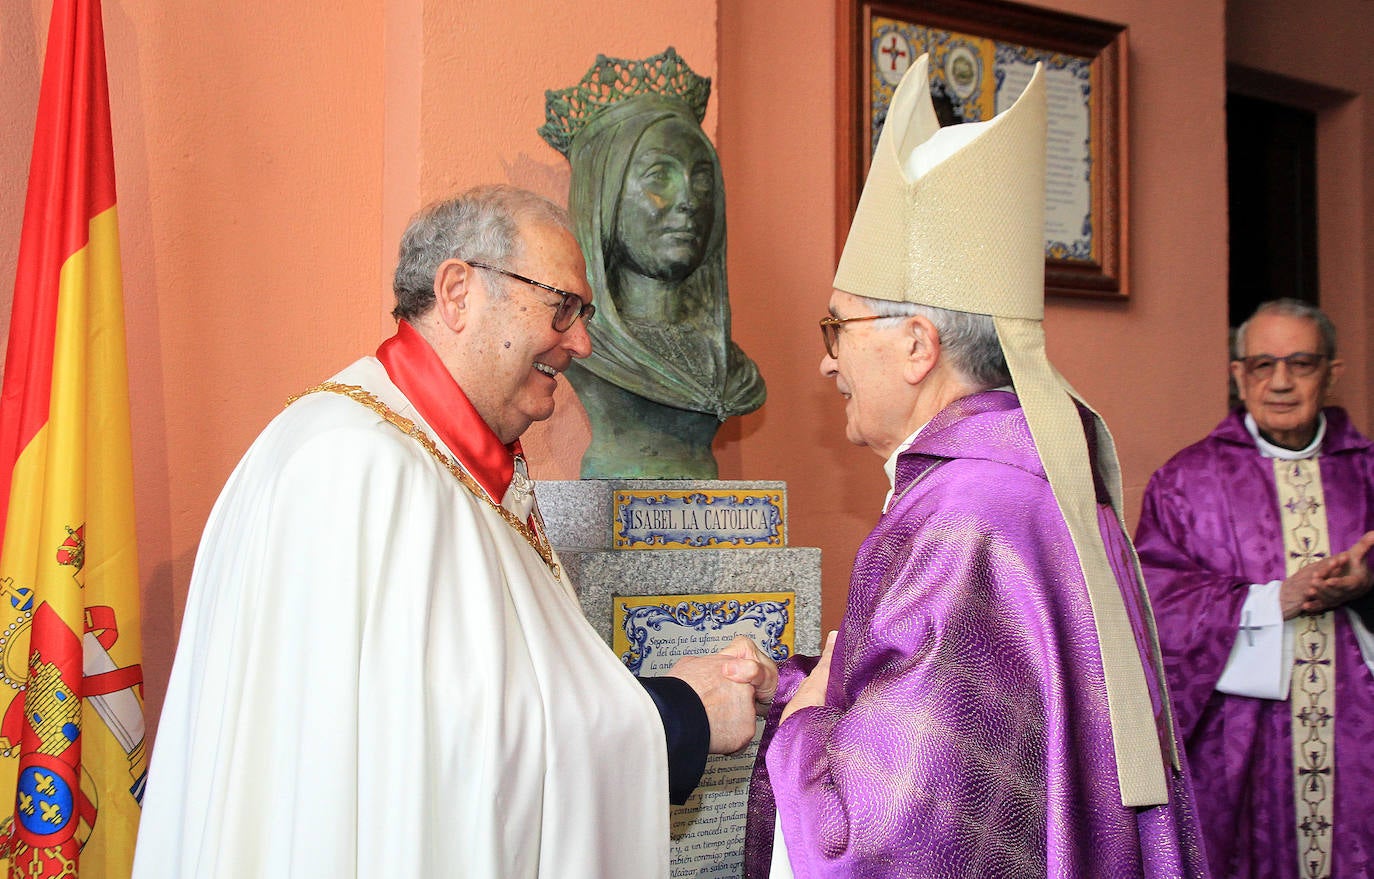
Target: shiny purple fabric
965 731
1209 527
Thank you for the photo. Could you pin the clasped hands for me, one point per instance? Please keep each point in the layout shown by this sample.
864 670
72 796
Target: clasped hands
1329 583
735 685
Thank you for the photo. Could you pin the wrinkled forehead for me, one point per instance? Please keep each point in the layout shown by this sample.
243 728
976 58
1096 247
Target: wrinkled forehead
844 304
1281 335
549 253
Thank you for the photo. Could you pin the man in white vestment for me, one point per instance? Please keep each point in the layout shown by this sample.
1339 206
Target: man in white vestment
383 670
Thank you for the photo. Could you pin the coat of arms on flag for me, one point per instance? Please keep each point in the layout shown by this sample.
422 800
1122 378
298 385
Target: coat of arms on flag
71 710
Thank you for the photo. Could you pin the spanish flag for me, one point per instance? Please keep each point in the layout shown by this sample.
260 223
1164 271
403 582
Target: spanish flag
71 733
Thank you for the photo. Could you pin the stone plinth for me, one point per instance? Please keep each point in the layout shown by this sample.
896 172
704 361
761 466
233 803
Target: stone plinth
771 594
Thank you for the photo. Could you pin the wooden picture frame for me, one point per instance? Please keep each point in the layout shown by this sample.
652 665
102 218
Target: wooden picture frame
982 52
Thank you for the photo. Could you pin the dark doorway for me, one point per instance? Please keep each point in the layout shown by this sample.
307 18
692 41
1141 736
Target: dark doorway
1271 171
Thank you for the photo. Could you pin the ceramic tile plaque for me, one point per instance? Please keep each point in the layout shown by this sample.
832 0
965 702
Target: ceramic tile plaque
698 519
651 632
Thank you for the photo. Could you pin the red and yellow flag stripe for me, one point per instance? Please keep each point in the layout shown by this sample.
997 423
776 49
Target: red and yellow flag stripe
71 731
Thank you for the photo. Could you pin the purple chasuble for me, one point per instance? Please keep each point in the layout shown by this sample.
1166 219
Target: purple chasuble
1209 528
965 731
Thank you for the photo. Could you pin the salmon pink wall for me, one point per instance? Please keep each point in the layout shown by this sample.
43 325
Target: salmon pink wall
485 73
1161 352
248 174
1330 71
268 155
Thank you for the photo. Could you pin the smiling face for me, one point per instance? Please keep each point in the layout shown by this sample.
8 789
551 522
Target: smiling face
668 203
1285 406
512 335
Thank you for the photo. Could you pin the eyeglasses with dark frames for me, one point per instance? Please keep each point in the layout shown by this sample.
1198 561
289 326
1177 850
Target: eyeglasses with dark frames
569 309
830 330
1301 364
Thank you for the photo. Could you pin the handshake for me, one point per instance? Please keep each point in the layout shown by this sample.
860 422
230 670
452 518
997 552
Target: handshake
734 685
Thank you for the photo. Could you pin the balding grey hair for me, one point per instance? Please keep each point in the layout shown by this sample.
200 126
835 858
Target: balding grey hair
482 225
968 340
1292 308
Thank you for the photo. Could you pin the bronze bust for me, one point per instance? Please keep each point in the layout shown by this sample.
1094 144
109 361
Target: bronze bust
648 208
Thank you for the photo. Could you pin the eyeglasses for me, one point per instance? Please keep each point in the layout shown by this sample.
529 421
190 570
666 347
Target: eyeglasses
1300 364
565 312
830 330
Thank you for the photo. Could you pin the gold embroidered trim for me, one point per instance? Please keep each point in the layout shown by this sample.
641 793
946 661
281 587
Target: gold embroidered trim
533 536
1312 694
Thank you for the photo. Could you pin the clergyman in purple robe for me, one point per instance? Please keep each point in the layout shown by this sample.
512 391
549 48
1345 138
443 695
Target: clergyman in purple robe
993 702
1253 544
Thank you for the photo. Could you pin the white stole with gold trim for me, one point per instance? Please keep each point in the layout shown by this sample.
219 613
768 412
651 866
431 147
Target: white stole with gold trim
1312 697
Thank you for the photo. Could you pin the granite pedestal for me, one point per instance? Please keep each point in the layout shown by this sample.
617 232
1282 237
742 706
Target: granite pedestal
654 605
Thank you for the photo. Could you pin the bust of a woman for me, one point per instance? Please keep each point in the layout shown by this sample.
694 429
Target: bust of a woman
648 208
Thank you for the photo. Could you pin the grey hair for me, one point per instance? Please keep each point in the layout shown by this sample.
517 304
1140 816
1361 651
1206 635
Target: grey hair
969 340
481 224
1292 308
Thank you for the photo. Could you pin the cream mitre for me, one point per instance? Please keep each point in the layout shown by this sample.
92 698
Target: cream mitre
954 218
976 189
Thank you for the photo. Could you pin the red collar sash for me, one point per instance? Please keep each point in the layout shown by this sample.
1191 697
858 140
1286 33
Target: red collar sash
414 367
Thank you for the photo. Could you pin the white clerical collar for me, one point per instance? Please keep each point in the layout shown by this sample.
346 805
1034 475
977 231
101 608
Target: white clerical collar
890 465
1269 450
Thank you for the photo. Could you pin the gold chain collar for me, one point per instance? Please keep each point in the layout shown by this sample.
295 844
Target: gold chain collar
535 536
